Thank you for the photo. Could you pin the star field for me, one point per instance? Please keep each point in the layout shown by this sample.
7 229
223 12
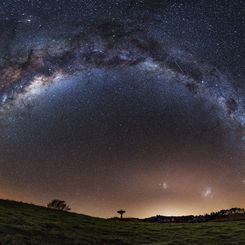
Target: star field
132 104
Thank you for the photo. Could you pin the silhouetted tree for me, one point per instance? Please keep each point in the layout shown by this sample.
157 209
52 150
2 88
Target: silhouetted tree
121 212
222 212
59 205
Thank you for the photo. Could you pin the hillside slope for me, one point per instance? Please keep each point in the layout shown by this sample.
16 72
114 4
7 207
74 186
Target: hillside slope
28 224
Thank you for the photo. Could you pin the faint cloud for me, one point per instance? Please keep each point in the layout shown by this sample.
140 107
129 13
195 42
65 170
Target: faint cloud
164 185
207 192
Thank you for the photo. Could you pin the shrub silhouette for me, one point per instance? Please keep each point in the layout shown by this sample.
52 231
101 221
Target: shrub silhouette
59 205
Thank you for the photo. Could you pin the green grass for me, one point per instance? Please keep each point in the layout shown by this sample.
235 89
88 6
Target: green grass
28 224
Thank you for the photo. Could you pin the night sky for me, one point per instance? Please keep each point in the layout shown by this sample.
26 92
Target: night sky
138 105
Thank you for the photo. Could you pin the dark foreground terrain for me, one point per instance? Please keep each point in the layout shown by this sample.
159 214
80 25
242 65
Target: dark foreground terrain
28 224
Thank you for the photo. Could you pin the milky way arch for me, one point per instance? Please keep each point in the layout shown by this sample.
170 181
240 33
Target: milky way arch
130 110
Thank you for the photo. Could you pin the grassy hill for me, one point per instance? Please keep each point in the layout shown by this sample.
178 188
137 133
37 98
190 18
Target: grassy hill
29 224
